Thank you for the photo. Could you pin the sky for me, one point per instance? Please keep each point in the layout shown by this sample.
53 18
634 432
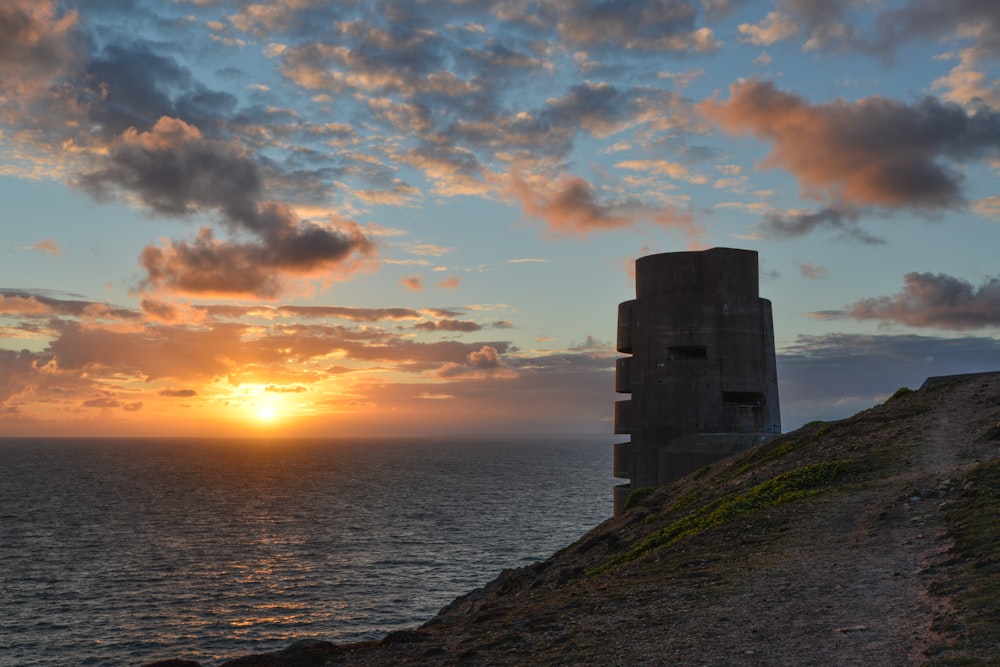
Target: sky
340 219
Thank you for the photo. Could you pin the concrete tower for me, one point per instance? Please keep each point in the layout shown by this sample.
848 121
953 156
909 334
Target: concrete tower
701 373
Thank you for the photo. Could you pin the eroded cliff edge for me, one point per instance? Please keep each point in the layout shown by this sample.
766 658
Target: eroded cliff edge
870 540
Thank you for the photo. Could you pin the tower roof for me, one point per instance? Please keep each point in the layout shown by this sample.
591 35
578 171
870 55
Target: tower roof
714 271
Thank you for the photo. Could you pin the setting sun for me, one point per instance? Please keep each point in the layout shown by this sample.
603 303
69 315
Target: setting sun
308 236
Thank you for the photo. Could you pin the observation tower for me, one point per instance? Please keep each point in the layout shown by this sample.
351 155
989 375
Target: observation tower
701 370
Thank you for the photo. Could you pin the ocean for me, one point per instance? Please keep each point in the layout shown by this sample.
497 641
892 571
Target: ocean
126 551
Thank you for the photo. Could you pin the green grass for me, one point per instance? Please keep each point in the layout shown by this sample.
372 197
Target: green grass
636 496
784 448
777 452
899 393
786 487
687 499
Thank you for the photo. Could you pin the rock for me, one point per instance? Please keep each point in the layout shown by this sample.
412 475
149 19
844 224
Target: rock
302 653
405 637
853 628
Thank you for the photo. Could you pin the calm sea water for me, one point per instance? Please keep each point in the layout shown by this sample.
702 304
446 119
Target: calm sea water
123 552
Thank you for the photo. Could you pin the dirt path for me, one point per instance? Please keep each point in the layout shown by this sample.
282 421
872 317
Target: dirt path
856 592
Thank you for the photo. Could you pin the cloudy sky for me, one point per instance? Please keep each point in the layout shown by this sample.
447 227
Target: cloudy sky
349 218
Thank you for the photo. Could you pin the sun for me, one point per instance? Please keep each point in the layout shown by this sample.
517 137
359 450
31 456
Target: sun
265 413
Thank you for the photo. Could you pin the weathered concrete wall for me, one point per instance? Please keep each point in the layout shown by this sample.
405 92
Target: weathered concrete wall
701 374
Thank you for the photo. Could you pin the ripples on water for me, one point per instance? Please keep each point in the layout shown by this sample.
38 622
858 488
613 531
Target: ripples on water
129 551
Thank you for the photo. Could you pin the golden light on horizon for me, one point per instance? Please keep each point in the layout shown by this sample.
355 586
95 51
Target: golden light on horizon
258 404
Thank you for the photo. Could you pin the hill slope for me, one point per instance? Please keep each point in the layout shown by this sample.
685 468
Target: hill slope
874 540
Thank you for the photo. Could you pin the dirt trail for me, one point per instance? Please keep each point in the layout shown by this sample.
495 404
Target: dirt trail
858 595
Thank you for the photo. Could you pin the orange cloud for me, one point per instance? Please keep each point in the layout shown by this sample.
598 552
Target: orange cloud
285 389
48 246
23 305
109 401
37 44
483 363
810 270
872 152
412 283
109 369
571 206
172 313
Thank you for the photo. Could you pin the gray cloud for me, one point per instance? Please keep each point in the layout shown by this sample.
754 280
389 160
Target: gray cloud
448 325
445 92
935 300
297 19
872 152
133 85
178 393
719 9
483 363
289 248
356 314
106 401
641 25
811 271
109 401
832 25
829 27
400 57
497 60
45 303
17 368
173 170
975 19
40 47
779 225
328 312
599 108
34 41
414 357
450 93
